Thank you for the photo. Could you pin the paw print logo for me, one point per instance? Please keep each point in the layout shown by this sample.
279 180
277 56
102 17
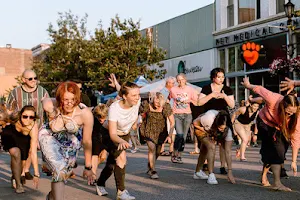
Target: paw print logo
250 52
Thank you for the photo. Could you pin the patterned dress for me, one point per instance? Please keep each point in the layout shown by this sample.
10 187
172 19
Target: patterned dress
154 125
59 147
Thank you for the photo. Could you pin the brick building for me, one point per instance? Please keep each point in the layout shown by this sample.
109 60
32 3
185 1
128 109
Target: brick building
12 63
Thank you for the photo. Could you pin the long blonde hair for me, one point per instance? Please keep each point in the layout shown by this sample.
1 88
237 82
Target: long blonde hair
288 128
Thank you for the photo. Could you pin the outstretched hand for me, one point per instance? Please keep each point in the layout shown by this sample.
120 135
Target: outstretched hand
288 85
246 83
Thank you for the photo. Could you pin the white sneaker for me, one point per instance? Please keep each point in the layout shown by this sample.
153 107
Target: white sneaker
212 179
101 191
200 175
124 195
133 150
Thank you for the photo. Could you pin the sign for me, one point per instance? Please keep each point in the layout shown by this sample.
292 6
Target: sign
260 32
195 66
250 53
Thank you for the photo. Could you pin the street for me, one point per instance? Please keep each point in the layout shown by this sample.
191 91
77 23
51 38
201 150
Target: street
175 180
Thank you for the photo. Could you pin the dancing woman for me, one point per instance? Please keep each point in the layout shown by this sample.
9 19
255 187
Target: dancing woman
277 122
19 139
122 115
242 121
60 139
154 128
210 128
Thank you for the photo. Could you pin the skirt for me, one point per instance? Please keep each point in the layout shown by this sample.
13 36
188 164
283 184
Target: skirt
59 151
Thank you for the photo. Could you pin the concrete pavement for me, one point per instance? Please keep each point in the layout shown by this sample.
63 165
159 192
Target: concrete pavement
175 181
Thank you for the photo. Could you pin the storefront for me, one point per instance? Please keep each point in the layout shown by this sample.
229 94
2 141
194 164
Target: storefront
271 36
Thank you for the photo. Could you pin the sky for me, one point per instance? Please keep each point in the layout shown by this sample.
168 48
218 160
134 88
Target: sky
24 23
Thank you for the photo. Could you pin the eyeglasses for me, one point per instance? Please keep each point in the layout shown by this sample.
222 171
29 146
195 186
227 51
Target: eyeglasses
26 117
30 79
67 101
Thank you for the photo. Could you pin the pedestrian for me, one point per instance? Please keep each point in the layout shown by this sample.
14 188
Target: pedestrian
242 120
182 96
28 93
277 123
20 138
60 139
218 96
154 128
211 128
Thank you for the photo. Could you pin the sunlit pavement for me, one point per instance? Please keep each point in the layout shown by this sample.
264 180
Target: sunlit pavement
175 180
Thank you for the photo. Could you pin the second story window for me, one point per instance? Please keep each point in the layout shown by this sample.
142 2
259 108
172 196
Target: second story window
230 13
280 6
249 10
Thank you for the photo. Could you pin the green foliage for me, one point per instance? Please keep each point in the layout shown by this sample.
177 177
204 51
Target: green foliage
75 53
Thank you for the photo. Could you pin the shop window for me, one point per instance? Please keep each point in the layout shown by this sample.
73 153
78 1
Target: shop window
241 90
240 63
232 85
280 6
222 58
249 10
231 59
230 13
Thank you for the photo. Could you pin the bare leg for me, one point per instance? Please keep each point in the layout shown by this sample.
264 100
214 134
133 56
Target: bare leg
16 167
277 183
264 177
57 191
207 151
228 145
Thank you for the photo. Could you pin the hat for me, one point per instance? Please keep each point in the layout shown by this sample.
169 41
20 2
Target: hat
208 119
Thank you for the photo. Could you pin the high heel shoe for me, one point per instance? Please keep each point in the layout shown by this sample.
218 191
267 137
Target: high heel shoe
23 180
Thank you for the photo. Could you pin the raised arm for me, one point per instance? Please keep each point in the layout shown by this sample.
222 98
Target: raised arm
289 85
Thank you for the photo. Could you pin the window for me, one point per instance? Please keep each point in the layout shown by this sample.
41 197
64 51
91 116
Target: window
241 90
230 13
240 63
231 59
280 6
249 10
222 58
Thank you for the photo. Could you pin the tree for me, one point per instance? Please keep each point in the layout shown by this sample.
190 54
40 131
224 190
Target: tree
77 54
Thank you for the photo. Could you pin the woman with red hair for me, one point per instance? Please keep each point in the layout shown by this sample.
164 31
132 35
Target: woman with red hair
60 138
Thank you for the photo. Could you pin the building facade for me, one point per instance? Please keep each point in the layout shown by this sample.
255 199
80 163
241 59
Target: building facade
212 36
260 21
12 64
189 44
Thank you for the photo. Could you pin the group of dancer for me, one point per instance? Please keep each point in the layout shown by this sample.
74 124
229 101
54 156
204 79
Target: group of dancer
105 129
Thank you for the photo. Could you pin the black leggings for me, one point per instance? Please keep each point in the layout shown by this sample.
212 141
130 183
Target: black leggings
112 167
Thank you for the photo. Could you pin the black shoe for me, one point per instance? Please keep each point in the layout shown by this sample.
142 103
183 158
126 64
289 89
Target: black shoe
28 176
222 170
23 180
205 167
283 173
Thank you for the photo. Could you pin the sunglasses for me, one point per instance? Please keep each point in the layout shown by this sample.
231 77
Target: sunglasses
30 79
26 117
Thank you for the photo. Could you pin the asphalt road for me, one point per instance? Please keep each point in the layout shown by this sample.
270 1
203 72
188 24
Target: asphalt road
175 181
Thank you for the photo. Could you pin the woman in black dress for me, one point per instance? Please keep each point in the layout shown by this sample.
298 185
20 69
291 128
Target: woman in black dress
19 139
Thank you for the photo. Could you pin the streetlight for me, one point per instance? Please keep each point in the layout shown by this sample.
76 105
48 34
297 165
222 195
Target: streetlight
289 9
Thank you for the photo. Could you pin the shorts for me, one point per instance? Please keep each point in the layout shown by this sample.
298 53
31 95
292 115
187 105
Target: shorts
99 143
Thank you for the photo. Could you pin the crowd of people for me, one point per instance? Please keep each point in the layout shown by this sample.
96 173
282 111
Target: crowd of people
59 126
